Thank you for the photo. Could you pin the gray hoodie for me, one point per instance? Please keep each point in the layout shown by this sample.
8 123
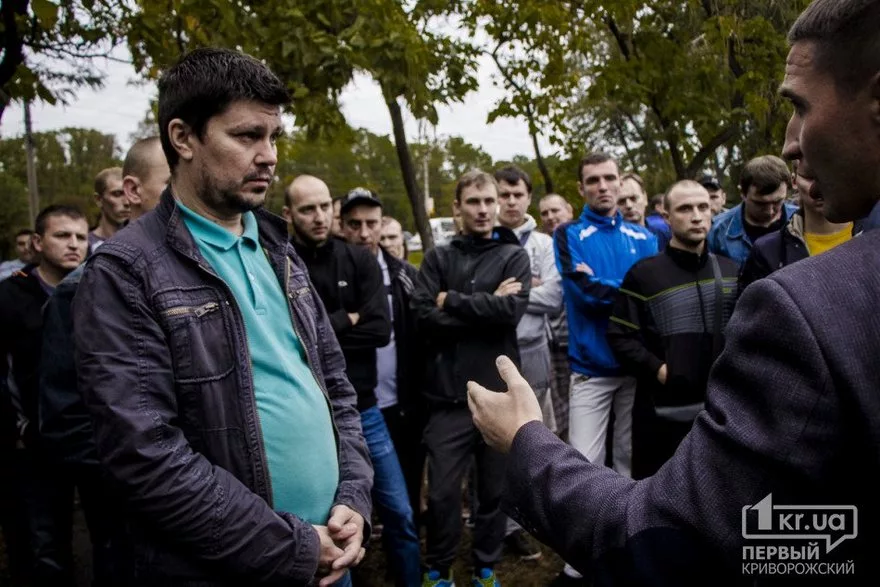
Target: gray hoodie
545 301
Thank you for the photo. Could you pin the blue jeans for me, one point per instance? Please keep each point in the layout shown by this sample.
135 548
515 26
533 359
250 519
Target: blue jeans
344 581
392 501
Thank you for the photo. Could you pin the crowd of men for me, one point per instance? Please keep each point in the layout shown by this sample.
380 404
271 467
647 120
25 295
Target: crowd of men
231 393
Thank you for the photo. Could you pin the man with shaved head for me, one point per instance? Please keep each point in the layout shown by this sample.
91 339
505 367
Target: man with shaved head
349 281
660 339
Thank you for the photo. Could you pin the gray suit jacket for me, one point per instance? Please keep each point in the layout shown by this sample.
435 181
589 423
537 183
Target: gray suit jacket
793 409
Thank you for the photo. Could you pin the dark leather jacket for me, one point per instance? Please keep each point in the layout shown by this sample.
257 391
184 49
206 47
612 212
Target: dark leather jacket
163 364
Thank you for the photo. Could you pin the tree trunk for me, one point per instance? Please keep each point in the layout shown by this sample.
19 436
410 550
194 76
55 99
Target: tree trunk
408 171
542 166
13 43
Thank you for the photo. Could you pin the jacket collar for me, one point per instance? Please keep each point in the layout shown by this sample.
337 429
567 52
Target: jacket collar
500 235
687 260
602 222
528 226
272 229
394 264
736 227
323 251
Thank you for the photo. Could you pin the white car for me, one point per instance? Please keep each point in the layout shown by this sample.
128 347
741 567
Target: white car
443 230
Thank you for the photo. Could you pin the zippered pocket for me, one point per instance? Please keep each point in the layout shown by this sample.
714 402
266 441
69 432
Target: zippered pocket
198 311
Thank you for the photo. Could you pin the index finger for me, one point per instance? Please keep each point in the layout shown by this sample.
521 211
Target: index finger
349 555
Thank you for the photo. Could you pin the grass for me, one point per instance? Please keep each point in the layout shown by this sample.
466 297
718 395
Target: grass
416 258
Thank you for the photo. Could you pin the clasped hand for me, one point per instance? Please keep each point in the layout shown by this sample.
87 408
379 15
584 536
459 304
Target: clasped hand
341 544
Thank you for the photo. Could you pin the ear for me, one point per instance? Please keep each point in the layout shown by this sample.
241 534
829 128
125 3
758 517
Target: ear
665 215
875 98
181 137
285 213
131 186
581 189
37 242
456 207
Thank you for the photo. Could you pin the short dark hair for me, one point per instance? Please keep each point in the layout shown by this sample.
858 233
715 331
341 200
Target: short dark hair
657 200
205 82
512 175
103 178
596 158
24 232
474 177
766 173
53 211
137 160
847 37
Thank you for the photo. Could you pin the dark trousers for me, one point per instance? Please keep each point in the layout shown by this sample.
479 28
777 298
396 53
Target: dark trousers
654 439
105 519
45 491
406 431
13 517
452 442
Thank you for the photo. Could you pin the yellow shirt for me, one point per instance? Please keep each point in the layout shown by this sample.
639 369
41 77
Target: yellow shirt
819 243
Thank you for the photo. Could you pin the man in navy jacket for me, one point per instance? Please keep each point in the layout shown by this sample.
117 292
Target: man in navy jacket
792 405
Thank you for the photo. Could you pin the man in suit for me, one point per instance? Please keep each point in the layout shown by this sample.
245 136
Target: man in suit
792 408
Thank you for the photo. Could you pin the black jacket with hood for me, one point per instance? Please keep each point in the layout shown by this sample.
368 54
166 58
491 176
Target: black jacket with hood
474 326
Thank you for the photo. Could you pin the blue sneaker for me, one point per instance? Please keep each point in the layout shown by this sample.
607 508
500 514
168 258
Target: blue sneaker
433 579
486 578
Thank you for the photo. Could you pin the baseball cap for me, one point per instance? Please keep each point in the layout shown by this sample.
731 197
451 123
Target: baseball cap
359 197
709 182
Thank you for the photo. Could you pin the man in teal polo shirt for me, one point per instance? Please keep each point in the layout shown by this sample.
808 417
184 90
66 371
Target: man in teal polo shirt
292 409
208 363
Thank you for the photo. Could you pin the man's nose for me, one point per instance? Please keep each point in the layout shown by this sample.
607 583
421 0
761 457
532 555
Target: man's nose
791 151
267 154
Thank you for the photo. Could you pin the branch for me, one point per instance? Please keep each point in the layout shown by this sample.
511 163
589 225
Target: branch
619 37
509 79
710 147
74 54
12 49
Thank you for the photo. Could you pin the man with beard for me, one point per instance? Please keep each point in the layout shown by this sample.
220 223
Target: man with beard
217 390
792 409
113 203
807 234
660 339
42 489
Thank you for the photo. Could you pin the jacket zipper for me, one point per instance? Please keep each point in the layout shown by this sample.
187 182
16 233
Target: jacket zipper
290 296
262 456
199 311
